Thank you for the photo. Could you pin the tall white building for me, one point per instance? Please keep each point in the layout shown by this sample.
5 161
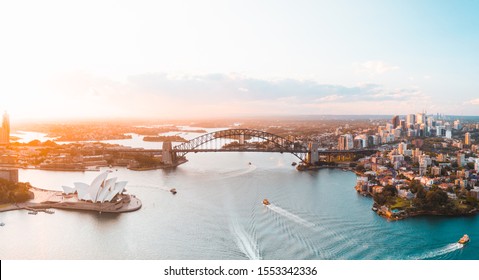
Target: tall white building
421 118
410 119
448 134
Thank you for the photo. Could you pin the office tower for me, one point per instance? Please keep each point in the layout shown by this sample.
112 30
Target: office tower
395 121
410 120
467 138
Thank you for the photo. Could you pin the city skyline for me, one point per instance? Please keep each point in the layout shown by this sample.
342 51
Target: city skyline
226 58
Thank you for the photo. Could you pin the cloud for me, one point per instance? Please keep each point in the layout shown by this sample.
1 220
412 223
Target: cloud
330 98
159 94
473 101
374 67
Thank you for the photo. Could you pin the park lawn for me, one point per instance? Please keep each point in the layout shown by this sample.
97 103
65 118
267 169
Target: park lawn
401 203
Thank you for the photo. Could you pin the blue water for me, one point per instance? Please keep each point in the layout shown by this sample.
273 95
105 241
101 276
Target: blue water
218 214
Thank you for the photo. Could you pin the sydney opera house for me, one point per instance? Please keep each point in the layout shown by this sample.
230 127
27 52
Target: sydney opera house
100 190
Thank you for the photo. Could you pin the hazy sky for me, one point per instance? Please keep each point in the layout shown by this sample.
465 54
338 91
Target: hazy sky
68 59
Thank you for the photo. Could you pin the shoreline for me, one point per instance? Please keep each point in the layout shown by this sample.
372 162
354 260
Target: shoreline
428 213
316 167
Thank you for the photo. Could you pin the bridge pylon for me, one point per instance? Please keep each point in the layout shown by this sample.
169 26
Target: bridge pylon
312 157
168 155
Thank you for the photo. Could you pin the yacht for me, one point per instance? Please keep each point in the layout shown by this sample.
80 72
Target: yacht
266 202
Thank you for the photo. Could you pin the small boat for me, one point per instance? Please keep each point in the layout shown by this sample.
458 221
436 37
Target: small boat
32 212
2 224
266 202
374 209
464 239
173 191
293 163
249 163
49 211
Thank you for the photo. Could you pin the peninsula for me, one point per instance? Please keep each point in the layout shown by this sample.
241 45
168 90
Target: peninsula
101 195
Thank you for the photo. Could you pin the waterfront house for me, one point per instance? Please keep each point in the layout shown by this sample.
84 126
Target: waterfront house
377 189
474 192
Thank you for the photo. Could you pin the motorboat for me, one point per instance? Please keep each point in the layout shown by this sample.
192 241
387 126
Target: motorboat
173 191
374 209
293 163
464 239
266 202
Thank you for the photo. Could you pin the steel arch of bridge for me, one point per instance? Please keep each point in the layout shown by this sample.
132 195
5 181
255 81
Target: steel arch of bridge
281 143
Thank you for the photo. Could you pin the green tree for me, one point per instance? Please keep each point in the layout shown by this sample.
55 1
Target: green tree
380 198
436 199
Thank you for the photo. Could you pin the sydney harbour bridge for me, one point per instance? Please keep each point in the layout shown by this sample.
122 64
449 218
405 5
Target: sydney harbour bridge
250 140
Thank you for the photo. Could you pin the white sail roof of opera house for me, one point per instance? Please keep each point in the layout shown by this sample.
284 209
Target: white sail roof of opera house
101 189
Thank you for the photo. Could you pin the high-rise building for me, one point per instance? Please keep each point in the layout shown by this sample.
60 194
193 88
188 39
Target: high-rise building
422 167
448 134
467 138
457 124
395 121
402 147
461 159
5 130
421 118
345 142
410 120
389 127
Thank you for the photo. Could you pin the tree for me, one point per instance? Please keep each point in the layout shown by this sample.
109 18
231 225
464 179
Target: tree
360 168
379 198
389 191
470 165
436 198
414 186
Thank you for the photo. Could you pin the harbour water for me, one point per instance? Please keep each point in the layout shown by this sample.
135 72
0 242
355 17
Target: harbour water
218 214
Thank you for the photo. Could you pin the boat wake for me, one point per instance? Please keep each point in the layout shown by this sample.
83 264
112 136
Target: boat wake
245 242
441 251
237 173
290 216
